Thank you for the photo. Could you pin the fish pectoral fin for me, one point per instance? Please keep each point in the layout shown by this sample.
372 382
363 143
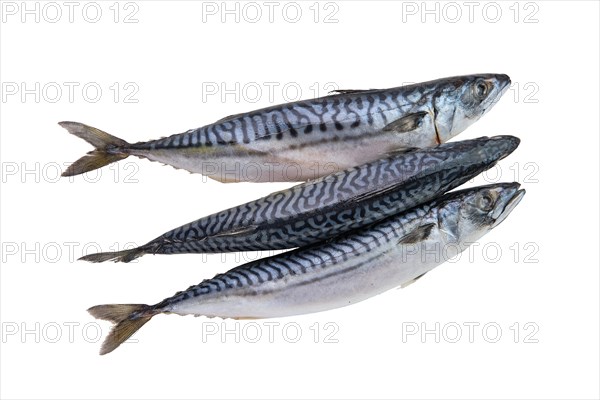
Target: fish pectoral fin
407 123
418 235
405 284
372 193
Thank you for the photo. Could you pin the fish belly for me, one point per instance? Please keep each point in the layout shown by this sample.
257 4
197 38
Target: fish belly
299 158
291 162
337 286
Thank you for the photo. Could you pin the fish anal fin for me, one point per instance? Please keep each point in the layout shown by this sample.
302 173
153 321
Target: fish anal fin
407 123
405 284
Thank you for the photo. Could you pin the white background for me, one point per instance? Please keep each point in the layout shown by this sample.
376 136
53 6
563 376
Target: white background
170 54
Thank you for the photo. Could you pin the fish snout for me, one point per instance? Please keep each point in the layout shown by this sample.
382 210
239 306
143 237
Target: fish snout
503 80
503 145
509 197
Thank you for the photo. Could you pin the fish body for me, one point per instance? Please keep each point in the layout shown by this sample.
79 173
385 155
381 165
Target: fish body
337 273
318 210
310 138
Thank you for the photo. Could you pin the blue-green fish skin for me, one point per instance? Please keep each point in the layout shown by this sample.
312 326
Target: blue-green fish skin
318 210
311 138
337 273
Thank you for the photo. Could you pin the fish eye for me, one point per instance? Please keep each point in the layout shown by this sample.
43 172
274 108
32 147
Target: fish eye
485 202
480 89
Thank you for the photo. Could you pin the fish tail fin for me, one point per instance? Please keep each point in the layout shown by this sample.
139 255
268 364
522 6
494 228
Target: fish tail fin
116 256
108 148
128 318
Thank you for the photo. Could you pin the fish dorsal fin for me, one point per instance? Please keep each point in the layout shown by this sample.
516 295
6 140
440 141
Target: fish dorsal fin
227 118
405 284
349 91
417 235
407 123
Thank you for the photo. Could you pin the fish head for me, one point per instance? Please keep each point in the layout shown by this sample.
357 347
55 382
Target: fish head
461 101
466 215
483 150
498 147
460 161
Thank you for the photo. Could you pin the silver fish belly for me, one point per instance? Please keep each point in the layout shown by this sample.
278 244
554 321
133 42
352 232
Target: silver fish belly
311 138
318 210
346 270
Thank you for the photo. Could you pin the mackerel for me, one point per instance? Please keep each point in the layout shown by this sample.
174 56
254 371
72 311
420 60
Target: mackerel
310 138
343 271
318 210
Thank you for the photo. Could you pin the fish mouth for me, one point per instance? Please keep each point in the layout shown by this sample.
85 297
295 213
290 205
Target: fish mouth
509 205
502 82
504 86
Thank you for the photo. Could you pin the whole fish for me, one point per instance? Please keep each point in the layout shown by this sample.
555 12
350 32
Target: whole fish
318 210
333 274
310 138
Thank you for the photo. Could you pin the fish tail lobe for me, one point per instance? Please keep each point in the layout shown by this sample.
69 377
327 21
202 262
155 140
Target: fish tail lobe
116 256
108 148
128 319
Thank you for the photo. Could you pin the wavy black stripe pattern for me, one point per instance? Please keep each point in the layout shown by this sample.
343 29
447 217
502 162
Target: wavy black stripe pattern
309 259
349 114
318 210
